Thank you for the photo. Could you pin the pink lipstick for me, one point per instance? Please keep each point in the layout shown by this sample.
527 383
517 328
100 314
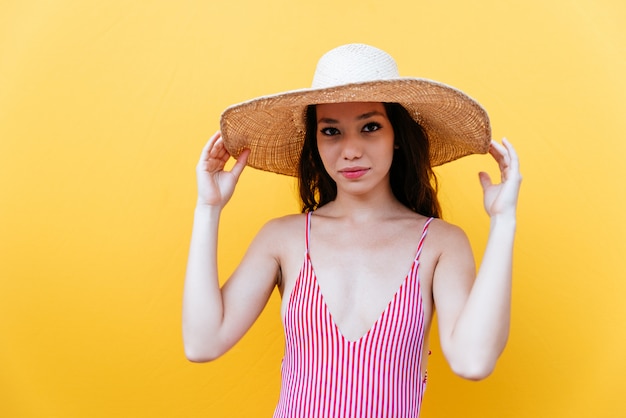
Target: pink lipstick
352 173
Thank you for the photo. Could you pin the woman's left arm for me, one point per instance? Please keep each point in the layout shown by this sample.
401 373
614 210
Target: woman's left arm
474 315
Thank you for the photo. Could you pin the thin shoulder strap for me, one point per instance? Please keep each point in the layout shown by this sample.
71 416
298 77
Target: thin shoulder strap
307 232
421 242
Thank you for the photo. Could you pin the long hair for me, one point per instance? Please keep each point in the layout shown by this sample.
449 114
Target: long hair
412 179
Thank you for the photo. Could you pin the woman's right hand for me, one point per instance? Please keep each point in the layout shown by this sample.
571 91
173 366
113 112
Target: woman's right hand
216 186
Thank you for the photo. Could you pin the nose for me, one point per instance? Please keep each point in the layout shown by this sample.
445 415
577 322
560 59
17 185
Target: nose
352 148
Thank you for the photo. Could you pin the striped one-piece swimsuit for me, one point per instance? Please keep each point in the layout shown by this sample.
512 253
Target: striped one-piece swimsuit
326 375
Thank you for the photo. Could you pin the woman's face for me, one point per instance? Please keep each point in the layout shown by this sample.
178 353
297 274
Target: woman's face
356 143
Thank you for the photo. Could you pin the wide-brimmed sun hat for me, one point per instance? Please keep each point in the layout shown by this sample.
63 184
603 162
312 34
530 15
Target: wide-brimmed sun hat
273 127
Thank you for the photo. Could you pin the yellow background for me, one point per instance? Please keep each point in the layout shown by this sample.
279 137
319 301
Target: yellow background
105 106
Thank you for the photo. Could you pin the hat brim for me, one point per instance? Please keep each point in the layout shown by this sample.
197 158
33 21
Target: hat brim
273 127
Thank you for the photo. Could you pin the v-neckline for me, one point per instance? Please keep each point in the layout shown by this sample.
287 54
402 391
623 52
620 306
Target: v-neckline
414 264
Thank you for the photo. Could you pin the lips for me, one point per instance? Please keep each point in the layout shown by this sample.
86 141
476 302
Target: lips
353 172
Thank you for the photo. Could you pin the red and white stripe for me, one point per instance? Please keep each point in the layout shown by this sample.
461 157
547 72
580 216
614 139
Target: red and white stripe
378 375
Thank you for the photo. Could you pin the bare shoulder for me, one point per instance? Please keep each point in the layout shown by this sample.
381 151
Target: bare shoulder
284 237
283 226
282 233
446 236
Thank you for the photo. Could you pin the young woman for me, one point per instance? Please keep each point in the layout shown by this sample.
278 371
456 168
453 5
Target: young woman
363 269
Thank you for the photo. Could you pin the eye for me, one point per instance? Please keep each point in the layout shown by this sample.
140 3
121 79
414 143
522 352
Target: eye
329 131
371 127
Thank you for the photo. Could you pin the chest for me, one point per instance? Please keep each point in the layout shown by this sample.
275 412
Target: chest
363 269
359 273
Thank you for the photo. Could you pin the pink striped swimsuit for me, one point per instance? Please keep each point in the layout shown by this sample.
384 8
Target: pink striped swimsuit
378 375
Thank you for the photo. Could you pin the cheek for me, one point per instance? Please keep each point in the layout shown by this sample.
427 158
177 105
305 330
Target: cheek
326 151
385 151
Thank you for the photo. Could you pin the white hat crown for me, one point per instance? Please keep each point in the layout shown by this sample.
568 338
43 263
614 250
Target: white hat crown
353 63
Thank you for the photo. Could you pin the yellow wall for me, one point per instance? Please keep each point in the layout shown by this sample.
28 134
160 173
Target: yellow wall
104 107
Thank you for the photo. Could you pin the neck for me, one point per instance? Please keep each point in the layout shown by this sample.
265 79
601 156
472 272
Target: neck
363 207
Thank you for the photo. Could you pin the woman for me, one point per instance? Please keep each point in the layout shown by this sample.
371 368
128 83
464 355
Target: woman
362 271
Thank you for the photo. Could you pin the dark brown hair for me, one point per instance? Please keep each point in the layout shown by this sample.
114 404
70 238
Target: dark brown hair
412 179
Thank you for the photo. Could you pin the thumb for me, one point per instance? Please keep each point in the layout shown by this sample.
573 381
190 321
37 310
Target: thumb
485 180
241 163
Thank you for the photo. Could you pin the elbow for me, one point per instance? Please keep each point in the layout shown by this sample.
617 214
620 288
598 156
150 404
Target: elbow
202 351
474 361
198 357
474 371
201 355
474 366
201 347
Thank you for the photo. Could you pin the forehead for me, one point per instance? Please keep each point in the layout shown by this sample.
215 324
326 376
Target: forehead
349 109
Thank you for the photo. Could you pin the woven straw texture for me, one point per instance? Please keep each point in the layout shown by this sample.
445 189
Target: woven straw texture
273 127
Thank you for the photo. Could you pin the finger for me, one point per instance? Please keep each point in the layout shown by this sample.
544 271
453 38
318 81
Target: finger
499 152
209 146
241 163
513 157
485 180
512 172
218 151
502 157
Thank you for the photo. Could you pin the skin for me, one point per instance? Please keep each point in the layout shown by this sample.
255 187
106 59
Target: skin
360 268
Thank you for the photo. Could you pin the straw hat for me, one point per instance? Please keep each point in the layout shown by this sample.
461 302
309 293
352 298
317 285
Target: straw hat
273 127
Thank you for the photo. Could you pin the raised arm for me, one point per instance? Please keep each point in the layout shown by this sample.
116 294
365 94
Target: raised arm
474 315
215 318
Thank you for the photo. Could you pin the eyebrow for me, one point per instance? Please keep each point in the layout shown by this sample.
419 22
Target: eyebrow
360 117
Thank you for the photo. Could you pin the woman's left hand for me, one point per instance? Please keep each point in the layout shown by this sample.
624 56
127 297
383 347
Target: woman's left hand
501 199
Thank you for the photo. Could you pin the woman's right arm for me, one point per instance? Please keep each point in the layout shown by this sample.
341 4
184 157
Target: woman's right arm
215 318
